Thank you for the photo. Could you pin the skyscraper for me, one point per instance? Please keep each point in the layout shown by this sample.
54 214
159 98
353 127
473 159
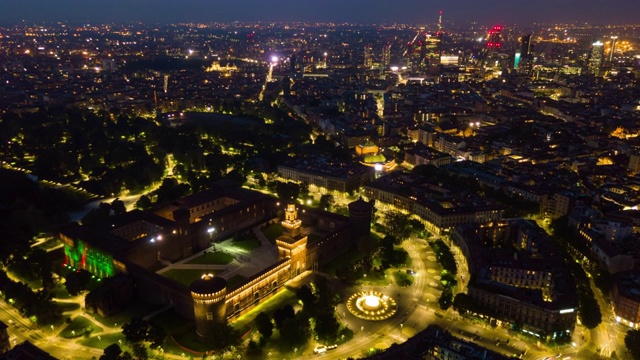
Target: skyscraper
595 58
613 48
386 54
368 57
525 45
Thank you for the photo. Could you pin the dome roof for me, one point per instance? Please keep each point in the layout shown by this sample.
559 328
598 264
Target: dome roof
208 284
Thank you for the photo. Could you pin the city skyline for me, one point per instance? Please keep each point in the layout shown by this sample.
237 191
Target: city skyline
357 11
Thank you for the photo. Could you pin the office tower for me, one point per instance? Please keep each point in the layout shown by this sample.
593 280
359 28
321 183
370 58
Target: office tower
425 48
386 54
165 84
595 58
494 41
525 45
613 48
368 57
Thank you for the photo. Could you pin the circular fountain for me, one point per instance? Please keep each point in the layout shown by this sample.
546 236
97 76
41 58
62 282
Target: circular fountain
371 305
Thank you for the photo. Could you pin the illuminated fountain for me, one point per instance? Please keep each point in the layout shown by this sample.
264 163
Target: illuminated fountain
371 305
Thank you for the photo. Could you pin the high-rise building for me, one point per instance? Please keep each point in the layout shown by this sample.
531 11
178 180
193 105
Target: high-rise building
425 48
494 40
596 56
525 45
612 50
368 57
386 54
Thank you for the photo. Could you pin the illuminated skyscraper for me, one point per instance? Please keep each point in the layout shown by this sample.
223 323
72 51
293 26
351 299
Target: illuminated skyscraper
494 40
612 50
386 54
595 58
368 57
425 48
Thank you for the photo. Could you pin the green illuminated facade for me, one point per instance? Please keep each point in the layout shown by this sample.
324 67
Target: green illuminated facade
78 254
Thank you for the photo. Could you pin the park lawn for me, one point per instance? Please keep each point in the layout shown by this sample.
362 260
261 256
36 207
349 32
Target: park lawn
170 322
104 340
247 245
402 278
190 340
135 309
212 258
60 292
79 326
187 276
282 298
66 306
375 278
272 232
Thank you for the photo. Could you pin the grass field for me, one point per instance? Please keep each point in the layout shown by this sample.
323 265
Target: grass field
186 276
272 232
102 342
78 327
212 258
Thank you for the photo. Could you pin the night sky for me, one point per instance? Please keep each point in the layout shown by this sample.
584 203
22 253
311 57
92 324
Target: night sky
361 11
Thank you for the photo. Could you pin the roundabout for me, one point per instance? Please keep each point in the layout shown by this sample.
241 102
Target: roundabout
371 305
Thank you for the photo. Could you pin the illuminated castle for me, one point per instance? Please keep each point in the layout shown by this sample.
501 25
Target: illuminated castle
135 245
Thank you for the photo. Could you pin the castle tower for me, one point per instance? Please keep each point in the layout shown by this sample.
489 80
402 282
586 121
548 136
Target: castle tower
360 213
291 244
291 223
209 306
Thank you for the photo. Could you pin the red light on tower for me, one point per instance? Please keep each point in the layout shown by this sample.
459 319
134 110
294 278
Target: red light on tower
495 41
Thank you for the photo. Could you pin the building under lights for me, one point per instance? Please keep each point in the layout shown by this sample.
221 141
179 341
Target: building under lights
517 276
626 298
130 249
596 57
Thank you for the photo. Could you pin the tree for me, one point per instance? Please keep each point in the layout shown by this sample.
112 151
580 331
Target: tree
398 225
327 201
264 325
254 351
97 215
136 330
632 341
287 191
295 330
112 352
327 326
445 299
280 315
305 295
118 207
140 352
144 203
76 281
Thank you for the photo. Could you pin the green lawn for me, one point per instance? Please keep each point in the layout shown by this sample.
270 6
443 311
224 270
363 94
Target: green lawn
187 276
65 306
170 322
283 297
60 292
135 309
104 340
272 232
212 258
247 241
78 327
247 245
